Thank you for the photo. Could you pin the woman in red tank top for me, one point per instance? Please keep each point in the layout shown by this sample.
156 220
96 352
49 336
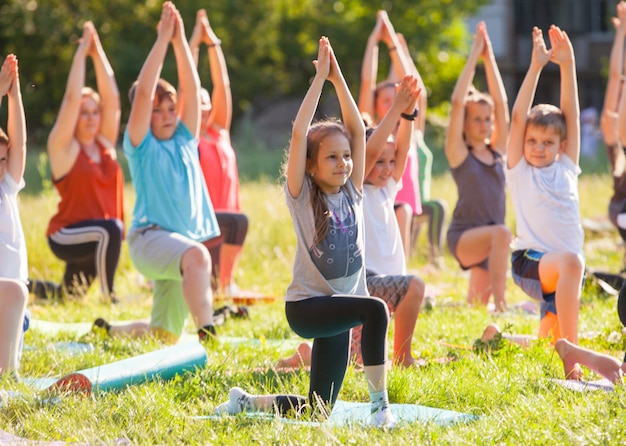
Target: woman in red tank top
87 230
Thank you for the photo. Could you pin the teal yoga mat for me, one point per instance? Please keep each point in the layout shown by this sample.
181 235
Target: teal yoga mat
162 364
358 414
79 329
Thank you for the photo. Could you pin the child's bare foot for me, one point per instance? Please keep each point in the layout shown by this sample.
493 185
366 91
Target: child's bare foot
405 361
570 366
301 358
490 332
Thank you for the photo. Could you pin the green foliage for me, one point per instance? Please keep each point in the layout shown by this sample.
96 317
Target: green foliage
269 44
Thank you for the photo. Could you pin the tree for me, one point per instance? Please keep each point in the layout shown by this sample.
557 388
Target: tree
269 44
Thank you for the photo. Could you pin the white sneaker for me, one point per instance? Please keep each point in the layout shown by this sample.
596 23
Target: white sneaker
384 419
238 401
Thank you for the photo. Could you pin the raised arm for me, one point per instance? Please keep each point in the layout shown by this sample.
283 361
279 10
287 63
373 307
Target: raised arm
62 134
107 89
221 97
296 162
406 129
369 70
497 92
351 119
16 125
141 107
422 101
609 119
188 80
396 53
563 55
402 101
455 144
523 102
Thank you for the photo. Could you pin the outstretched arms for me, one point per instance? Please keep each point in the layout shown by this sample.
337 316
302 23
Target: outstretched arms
62 133
523 102
16 126
296 162
141 107
497 92
351 119
383 32
404 102
107 89
455 145
609 118
188 80
563 56
221 97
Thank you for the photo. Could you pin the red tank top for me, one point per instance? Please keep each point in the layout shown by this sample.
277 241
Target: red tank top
219 167
89 191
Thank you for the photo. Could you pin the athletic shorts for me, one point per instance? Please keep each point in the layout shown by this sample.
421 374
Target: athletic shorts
525 270
157 254
453 237
390 289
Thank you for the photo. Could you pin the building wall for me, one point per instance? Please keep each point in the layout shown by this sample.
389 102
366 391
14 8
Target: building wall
587 22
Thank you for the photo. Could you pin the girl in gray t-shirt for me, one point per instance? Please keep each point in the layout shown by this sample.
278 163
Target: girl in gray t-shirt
328 295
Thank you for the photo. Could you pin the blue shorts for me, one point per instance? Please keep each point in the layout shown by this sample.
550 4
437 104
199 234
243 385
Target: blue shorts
525 270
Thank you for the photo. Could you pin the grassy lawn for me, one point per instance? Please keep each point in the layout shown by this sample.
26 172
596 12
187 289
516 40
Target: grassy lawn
509 390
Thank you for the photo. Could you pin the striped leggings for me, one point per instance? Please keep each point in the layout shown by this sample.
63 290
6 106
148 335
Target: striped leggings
89 249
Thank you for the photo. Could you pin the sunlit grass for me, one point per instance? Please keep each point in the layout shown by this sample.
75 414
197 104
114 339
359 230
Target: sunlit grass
508 390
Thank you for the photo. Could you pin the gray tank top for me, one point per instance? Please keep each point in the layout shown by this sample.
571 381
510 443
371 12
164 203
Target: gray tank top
481 192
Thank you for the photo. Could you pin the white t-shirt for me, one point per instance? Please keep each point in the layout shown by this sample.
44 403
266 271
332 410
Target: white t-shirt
384 253
547 206
13 259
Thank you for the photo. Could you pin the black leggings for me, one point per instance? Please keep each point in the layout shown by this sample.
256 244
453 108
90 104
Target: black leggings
89 249
233 229
328 320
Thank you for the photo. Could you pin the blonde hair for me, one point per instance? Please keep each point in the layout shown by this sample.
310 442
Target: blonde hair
90 93
548 116
478 97
315 135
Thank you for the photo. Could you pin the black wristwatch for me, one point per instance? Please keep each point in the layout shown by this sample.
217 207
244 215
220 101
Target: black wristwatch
410 117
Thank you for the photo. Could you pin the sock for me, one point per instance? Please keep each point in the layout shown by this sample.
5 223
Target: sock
206 332
238 401
379 401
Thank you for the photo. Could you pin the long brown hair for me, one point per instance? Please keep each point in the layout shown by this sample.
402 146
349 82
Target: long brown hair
315 135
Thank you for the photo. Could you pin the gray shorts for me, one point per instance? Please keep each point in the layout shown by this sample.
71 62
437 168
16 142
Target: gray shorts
157 253
392 290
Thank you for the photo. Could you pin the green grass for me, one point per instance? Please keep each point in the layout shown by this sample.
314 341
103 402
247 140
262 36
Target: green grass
508 390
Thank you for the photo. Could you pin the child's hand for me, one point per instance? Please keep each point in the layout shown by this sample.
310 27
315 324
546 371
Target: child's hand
6 74
178 36
377 32
562 51
387 29
478 44
89 28
487 48
208 35
407 93
619 22
167 23
334 74
86 40
541 55
322 63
